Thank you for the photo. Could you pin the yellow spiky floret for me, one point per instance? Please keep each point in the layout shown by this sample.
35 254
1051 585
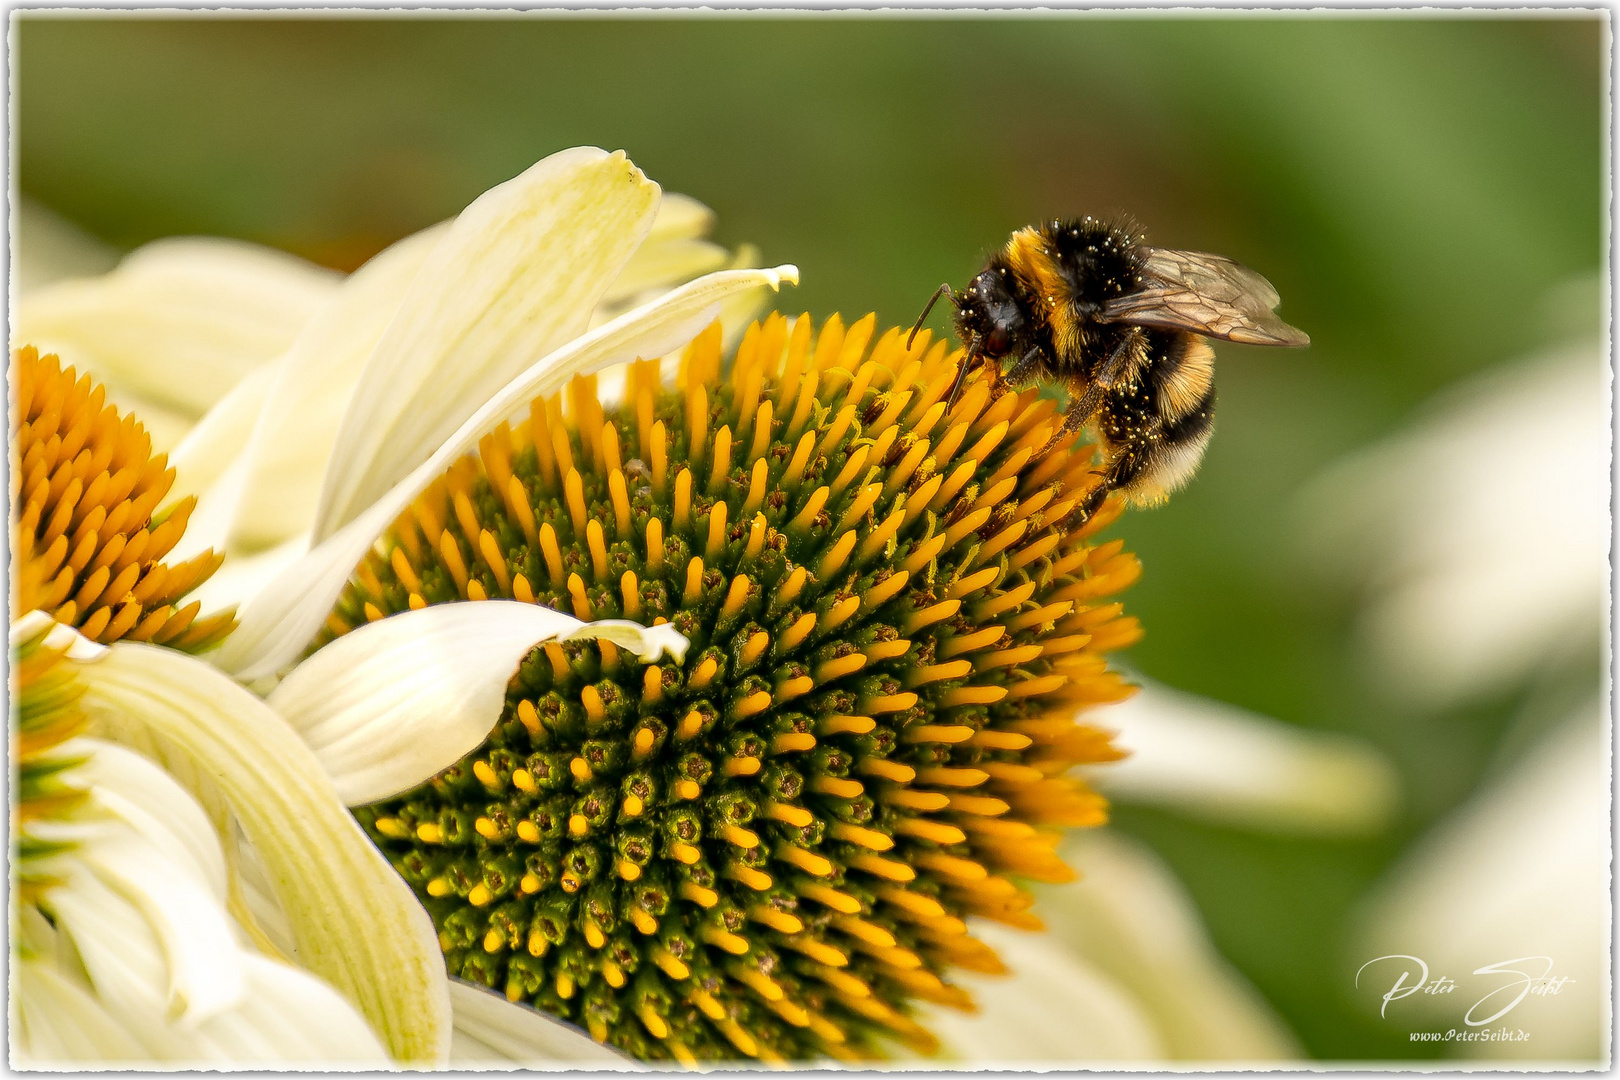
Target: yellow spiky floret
86 546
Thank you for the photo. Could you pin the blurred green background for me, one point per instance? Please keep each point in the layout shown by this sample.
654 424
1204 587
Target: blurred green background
1413 187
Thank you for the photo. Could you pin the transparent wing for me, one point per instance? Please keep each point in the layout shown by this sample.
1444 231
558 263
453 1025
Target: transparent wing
1206 294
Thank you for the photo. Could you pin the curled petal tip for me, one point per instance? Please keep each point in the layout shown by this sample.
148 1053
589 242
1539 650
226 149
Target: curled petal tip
786 272
647 642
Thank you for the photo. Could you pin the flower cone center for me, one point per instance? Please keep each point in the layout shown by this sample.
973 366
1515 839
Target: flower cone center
895 607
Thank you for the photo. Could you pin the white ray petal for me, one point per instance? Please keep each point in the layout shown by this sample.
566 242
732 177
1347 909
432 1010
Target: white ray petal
284 1015
518 1036
220 436
514 277
243 576
1129 917
1216 761
197 939
278 623
58 1021
356 922
292 441
391 703
180 321
295 1018
147 799
120 954
1053 1010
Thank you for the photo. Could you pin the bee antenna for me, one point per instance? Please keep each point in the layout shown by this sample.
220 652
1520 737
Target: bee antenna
943 290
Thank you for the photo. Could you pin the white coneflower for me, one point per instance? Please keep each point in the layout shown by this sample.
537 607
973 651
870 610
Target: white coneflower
125 951
459 340
89 553
531 265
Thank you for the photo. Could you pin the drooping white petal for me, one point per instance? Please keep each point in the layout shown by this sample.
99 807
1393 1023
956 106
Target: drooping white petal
283 1016
389 704
243 576
292 441
180 321
131 788
204 977
514 277
1129 917
277 623
128 968
129 960
504 1035
58 1021
290 1017
1213 760
1053 1010
119 953
356 922
1523 869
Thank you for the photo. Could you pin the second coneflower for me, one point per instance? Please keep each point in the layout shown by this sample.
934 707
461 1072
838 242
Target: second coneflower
90 535
895 607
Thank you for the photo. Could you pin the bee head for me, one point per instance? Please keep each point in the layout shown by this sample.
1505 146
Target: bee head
987 310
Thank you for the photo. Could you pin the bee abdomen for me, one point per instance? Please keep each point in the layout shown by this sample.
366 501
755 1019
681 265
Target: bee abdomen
1183 374
1150 470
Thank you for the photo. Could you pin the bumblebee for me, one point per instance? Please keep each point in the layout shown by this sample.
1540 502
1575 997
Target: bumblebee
1125 328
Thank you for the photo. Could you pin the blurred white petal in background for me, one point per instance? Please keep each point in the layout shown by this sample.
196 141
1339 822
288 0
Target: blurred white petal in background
48 247
1124 973
1221 763
1481 531
1482 535
1521 870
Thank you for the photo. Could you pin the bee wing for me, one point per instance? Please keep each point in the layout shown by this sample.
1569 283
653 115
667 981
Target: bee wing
1206 294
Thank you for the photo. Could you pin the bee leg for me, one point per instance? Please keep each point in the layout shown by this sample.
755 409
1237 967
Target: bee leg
1022 371
969 361
1094 500
1080 410
1133 344
1107 375
1083 408
943 290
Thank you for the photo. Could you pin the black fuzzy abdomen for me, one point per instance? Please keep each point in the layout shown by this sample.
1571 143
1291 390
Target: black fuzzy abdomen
1155 426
